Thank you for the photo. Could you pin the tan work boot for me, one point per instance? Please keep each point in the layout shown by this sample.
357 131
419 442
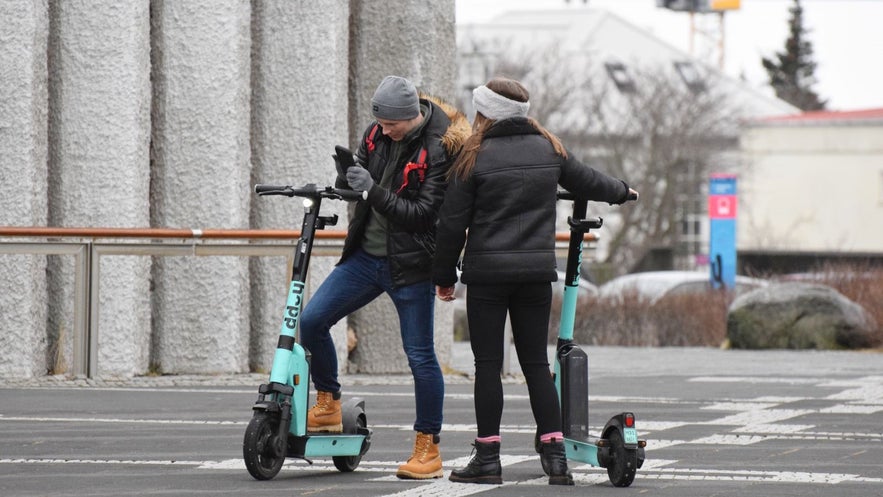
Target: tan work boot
325 415
425 462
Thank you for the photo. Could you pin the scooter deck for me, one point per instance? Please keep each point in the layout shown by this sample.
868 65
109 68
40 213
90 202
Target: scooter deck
327 445
585 451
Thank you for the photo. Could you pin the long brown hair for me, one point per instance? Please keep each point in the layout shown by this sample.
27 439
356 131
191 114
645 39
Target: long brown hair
513 90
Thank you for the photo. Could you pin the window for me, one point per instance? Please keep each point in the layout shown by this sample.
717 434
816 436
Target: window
620 76
690 74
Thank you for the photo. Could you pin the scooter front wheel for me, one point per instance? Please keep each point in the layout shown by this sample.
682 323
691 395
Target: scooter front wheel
261 446
623 462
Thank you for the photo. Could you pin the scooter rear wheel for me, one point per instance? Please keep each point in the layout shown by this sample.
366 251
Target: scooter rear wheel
260 447
346 464
623 462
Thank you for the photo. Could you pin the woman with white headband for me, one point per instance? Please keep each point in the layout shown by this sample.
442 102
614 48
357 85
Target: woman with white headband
503 191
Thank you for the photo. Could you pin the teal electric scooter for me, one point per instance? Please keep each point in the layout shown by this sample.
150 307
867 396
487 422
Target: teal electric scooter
278 428
618 448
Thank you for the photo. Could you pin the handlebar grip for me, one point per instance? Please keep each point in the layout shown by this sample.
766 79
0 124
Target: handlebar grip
267 188
351 194
273 190
565 195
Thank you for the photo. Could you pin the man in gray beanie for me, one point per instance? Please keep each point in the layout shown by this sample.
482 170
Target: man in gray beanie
395 100
402 159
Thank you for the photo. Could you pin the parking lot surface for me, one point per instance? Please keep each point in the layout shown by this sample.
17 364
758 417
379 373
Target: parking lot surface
723 423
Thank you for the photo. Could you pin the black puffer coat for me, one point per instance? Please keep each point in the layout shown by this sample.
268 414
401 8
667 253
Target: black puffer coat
508 206
412 212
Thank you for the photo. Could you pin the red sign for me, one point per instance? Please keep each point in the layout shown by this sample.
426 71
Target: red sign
722 206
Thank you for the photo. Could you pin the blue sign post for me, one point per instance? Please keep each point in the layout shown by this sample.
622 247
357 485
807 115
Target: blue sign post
722 204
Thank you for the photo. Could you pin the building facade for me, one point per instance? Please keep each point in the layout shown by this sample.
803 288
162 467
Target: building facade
811 191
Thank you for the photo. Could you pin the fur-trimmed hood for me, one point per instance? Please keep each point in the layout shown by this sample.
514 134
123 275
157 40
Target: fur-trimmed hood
459 129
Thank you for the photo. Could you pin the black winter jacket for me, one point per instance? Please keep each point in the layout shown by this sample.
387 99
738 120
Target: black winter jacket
412 212
508 205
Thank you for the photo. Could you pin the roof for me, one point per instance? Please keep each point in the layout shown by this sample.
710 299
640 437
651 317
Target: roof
604 37
824 117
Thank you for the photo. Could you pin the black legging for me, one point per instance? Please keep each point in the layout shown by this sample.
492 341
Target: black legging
528 306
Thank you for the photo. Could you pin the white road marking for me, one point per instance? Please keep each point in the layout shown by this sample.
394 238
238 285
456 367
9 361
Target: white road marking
739 406
759 476
647 426
758 379
135 462
728 440
772 428
852 409
758 416
63 419
658 443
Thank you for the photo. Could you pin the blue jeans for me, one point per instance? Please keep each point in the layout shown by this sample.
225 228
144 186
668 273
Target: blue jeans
353 284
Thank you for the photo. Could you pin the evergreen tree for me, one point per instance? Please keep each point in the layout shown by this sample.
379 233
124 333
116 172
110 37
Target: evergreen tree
792 71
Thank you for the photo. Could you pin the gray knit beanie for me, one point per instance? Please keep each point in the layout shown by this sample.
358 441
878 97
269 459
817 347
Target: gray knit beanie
395 99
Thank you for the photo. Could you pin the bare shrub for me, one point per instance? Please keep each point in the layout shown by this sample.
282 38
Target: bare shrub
700 319
689 320
623 321
693 319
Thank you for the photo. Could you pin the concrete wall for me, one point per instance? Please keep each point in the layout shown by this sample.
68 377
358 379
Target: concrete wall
300 54
164 113
99 130
812 188
23 124
201 167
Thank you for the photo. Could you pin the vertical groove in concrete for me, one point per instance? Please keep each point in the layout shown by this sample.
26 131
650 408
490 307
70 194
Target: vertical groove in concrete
99 163
299 112
201 161
23 109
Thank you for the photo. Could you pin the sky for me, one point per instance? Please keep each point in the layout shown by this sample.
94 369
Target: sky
846 37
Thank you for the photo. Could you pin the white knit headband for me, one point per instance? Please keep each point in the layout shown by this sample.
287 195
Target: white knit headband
495 106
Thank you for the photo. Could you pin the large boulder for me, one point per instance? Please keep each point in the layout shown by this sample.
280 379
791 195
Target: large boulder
799 316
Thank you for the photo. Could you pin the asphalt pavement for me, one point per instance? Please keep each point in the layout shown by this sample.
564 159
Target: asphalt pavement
717 422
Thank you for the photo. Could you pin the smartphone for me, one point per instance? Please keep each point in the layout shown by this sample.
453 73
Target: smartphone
344 159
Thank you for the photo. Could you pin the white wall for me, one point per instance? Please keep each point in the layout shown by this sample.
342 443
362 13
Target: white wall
812 188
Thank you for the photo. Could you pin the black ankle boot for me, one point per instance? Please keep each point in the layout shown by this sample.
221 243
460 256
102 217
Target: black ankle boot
484 467
554 460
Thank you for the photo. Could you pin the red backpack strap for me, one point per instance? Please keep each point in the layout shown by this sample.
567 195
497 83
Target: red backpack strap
369 140
419 167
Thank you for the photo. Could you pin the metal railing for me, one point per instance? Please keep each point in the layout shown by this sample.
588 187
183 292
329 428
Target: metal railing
88 245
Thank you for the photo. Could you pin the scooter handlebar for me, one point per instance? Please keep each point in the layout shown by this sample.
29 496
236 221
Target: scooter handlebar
310 190
566 195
